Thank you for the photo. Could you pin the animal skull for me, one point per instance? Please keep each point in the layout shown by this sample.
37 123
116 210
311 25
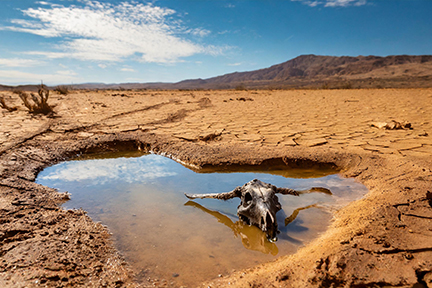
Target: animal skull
259 203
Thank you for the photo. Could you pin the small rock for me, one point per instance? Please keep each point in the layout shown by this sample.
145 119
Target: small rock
408 256
393 125
175 275
84 134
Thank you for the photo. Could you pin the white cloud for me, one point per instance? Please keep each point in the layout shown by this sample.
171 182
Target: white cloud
199 32
17 77
314 3
67 73
16 62
50 55
344 3
333 3
127 70
224 32
103 66
129 170
234 64
107 32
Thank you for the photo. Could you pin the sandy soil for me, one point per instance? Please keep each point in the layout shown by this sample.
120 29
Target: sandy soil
384 239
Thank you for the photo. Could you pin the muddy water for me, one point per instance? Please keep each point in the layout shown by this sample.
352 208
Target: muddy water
182 243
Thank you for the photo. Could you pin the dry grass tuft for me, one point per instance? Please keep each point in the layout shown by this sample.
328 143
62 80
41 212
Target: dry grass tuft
62 90
37 104
241 87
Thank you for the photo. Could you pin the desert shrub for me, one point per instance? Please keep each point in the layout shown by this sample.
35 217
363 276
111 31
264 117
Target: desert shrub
240 87
37 104
337 85
346 85
62 90
325 86
5 106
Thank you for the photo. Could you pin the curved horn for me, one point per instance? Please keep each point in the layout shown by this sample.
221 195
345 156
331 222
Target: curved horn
287 191
222 196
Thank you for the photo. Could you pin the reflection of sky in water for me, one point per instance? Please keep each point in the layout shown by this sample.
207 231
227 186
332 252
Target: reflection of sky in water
100 172
142 201
110 178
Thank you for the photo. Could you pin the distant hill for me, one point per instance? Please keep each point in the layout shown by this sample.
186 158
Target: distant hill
19 87
306 71
317 71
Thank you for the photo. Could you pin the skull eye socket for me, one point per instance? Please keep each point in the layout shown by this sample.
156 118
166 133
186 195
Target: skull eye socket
248 198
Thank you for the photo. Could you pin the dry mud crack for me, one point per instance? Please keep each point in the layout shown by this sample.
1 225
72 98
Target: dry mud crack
384 239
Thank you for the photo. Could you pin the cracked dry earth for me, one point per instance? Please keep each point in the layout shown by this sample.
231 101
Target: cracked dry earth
384 239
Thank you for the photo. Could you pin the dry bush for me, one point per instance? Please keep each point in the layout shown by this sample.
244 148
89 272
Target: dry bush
62 90
325 86
337 85
5 106
240 87
37 104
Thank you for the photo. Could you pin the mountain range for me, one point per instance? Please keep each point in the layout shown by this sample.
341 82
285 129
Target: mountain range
306 71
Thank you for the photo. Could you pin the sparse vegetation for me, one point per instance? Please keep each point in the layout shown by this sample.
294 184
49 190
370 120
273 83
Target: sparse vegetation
325 86
240 87
62 90
346 85
5 106
337 85
37 104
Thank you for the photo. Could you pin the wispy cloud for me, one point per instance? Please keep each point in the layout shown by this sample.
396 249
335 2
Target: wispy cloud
16 62
333 3
234 64
11 76
98 172
344 3
199 32
127 70
224 32
67 73
107 32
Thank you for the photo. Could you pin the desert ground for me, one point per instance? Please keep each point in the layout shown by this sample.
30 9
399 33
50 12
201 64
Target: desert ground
383 239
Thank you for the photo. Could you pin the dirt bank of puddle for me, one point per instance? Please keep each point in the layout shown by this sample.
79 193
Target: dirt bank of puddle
383 239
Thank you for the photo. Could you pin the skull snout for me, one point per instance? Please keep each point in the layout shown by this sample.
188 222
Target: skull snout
268 223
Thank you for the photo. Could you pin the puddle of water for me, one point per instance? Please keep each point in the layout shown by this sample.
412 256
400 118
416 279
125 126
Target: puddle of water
165 236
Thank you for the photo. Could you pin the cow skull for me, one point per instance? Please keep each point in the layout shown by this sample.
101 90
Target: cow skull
259 203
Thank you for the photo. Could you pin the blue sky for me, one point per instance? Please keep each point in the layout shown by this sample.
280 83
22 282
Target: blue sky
81 41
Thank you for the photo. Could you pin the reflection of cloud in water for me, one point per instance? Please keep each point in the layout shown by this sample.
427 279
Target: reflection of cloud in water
101 171
343 190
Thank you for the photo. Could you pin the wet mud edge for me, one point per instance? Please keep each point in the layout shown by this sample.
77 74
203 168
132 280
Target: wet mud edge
384 239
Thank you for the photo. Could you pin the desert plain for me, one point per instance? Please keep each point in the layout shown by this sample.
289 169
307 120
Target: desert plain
383 239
